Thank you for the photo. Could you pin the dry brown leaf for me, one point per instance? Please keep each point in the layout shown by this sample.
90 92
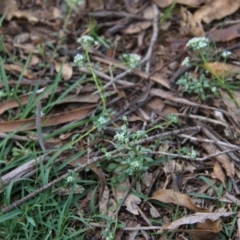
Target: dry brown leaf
131 201
226 34
141 25
84 98
198 218
222 159
189 25
216 10
10 6
170 196
190 3
154 213
169 110
229 103
19 69
156 104
23 99
53 120
94 5
221 69
103 201
218 173
23 14
13 103
66 69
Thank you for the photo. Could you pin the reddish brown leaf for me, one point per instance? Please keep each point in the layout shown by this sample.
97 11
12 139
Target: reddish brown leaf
170 196
19 69
53 120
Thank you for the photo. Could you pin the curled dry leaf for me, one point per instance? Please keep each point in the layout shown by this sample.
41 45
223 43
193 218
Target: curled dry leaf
223 159
216 10
218 173
19 69
221 69
103 201
170 196
10 6
65 68
25 15
23 99
231 106
190 3
141 25
53 120
226 34
131 200
189 25
198 218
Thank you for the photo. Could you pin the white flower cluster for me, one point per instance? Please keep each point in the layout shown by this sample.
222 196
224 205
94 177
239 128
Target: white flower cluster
131 59
197 43
102 120
87 41
226 54
70 179
120 136
186 62
80 60
136 165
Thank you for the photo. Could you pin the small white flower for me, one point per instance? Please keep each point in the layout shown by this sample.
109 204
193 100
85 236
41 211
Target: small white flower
108 155
87 41
186 62
124 118
124 128
102 120
141 133
120 136
131 59
70 179
226 54
135 165
197 43
80 60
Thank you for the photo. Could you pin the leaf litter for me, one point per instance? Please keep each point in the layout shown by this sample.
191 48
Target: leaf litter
195 166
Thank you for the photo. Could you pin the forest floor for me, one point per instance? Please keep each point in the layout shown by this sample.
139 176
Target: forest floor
119 119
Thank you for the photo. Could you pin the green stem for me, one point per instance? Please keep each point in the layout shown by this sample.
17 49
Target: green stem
97 82
221 81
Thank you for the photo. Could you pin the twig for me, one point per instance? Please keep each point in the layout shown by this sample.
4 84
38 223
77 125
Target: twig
187 157
113 80
153 39
208 141
128 228
204 119
105 76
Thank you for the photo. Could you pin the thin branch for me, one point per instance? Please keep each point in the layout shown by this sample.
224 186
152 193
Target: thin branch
128 228
153 39
208 141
